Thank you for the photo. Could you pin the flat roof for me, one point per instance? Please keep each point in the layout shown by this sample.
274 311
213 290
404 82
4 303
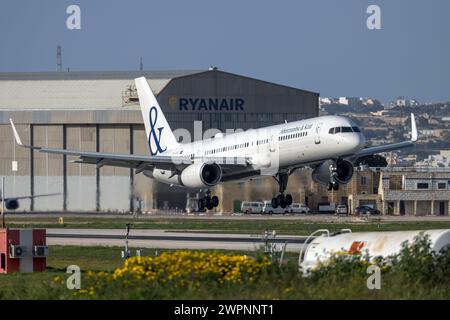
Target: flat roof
86 89
96 75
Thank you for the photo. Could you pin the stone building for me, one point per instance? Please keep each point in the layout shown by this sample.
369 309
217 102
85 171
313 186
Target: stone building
393 191
414 191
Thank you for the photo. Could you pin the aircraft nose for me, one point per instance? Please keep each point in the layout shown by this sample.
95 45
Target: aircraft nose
356 141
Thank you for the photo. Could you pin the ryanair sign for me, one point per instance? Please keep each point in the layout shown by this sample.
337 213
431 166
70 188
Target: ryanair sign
207 104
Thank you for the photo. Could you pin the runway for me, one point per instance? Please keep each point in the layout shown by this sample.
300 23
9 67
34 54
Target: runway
326 218
162 239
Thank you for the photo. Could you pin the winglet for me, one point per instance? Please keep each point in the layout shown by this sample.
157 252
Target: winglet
16 135
413 128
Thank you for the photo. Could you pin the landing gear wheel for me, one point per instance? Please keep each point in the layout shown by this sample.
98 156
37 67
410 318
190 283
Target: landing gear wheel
330 186
208 203
335 186
215 201
274 203
201 205
288 199
281 200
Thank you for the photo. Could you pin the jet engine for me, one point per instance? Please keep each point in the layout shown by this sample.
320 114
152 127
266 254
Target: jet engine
340 170
201 175
12 204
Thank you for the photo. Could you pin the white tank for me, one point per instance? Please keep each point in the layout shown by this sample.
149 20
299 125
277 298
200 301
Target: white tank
373 243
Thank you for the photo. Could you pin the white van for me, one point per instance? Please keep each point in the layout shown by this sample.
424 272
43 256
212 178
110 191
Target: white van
300 208
251 207
341 209
267 208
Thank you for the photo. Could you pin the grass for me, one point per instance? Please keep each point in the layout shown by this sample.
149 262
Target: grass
427 278
37 285
274 283
293 227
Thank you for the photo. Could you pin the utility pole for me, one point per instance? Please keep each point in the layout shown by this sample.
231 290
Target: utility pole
58 59
3 202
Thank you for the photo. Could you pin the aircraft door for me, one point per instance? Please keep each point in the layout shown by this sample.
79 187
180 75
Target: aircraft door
317 133
273 143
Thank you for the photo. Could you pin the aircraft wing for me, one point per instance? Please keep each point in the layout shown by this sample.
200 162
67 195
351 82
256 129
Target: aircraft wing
138 162
392 146
142 162
31 197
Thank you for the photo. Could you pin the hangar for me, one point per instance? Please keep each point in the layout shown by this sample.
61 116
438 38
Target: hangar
99 111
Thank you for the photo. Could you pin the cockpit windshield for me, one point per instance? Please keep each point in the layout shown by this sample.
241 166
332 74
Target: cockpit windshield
343 130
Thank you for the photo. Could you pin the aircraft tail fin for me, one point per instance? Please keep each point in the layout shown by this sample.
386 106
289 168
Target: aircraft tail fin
159 135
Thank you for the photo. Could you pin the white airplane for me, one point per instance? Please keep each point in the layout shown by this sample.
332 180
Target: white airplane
328 144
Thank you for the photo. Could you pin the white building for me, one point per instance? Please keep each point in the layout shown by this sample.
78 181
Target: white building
404 102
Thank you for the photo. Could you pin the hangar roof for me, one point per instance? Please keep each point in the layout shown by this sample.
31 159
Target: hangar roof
96 75
83 90
80 89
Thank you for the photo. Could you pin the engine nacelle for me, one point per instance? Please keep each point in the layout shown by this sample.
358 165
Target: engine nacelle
342 171
201 175
164 176
12 204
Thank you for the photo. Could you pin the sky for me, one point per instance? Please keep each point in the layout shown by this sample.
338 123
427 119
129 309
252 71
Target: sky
319 45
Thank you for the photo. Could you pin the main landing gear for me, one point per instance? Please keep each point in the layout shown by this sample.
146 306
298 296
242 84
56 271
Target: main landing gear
282 200
207 202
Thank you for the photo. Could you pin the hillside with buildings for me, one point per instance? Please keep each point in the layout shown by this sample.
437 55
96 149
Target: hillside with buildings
390 123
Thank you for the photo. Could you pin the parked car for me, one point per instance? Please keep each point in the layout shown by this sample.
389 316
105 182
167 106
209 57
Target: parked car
341 209
267 208
366 210
326 207
299 208
251 207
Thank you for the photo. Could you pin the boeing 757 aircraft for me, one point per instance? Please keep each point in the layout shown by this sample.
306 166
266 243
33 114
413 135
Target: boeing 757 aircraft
328 144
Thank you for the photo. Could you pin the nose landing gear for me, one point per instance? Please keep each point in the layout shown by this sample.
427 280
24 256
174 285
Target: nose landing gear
333 184
282 200
208 202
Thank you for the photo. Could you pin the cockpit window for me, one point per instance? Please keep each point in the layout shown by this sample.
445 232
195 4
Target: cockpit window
347 129
343 130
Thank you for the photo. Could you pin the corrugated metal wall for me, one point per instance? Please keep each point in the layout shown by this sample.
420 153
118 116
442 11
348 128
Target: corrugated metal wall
40 173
